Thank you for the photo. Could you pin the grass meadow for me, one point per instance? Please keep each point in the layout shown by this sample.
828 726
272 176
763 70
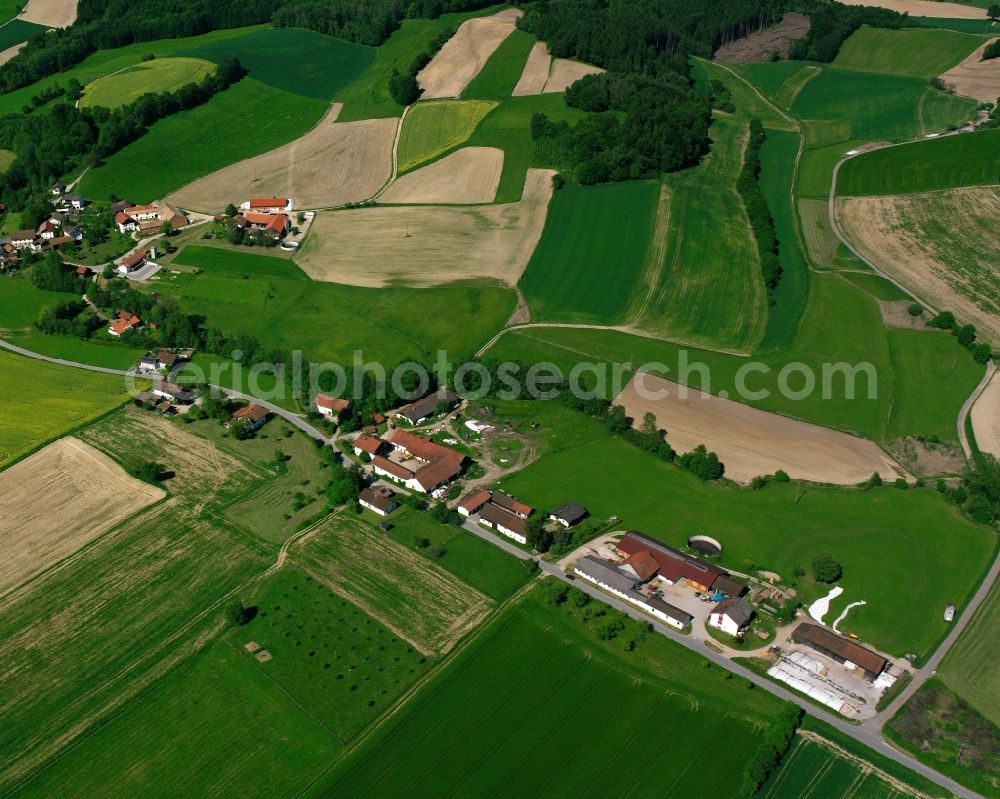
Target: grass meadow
266 54
435 127
917 52
474 561
47 401
968 159
816 169
501 72
880 107
590 260
709 289
538 674
17 30
921 380
275 301
770 76
245 120
749 104
906 553
158 75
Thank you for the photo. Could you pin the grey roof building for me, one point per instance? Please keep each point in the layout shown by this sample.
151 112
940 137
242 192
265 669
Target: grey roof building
602 571
569 513
738 610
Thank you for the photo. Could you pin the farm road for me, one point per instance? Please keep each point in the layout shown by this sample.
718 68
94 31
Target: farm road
866 735
277 410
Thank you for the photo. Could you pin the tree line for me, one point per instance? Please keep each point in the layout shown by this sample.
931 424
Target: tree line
830 24
761 221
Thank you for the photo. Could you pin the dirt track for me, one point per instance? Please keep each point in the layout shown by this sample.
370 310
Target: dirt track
429 246
976 78
986 418
943 245
465 53
469 175
332 164
924 8
57 500
750 441
54 13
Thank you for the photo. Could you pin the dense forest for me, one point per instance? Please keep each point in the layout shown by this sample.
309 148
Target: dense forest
832 23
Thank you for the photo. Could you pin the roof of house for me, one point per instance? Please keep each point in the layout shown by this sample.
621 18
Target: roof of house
606 572
47 227
423 448
388 466
437 472
509 503
268 202
368 444
504 518
122 218
379 496
570 512
425 406
19 235
644 564
725 584
839 645
83 270
674 564
253 412
132 210
267 221
59 241
167 357
125 321
337 404
672 611
475 501
738 610
134 257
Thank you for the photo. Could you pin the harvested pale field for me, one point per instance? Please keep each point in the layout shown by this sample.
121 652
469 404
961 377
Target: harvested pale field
986 418
53 13
464 54
761 45
750 441
58 500
429 246
564 73
976 78
924 8
410 594
469 175
536 71
820 239
945 246
333 164
10 52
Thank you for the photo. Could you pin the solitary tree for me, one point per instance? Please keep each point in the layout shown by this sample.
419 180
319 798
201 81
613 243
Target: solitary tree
230 210
236 614
826 569
993 12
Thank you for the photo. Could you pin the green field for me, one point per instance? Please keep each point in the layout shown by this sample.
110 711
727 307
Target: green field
48 400
983 26
246 119
749 104
508 126
6 159
17 30
275 301
709 290
211 728
432 128
501 72
880 107
968 668
816 169
274 56
590 260
483 566
968 159
922 379
158 75
537 681
919 53
771 76
783 527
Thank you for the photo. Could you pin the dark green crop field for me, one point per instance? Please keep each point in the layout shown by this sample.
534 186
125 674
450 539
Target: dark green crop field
500 74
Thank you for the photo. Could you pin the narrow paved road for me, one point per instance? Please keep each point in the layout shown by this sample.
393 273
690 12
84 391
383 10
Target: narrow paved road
863 734
277 410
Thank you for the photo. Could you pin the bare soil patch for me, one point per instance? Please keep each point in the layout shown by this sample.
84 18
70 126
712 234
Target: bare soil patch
333 164
469 175
897 314
976 78
429 246
924 8
750 441
536 71
944 245
464 54
986 418
564 73
56 501
53 13
10 52
928 458
761 45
